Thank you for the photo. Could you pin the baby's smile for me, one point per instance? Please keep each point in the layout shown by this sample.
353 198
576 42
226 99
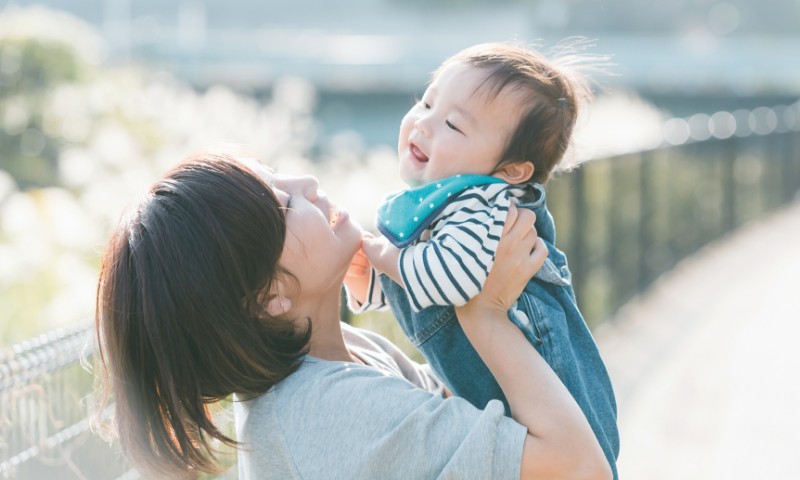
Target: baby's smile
417 153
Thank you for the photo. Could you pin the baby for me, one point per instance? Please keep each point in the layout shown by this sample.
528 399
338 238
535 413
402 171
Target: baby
490 129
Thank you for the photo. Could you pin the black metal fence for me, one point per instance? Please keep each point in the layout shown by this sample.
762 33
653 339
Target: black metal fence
625 220
622 221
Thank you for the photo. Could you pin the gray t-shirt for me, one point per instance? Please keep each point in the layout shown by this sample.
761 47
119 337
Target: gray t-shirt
337 420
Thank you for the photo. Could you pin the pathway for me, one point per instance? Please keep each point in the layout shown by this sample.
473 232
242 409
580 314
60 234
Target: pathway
707 364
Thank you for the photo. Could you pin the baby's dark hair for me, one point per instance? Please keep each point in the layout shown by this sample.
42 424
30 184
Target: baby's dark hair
551 95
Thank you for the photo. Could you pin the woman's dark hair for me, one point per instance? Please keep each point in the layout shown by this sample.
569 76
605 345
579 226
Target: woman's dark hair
551 95
180 313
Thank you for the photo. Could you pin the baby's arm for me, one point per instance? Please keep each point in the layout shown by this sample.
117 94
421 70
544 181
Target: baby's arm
451 267
364 292
383 256
356 280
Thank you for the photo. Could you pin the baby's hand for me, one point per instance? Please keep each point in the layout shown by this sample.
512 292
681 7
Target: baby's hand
382 255
359 266
357 277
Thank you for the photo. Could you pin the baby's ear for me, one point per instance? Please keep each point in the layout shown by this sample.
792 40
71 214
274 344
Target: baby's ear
516 172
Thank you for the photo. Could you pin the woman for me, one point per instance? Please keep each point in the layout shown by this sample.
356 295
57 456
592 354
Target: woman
226 278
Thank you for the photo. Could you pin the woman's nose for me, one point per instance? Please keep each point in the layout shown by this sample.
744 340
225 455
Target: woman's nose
310 187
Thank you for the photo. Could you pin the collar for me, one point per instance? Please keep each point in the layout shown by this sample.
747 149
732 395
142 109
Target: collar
405 215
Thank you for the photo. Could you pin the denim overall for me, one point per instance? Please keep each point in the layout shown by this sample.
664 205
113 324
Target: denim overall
548 315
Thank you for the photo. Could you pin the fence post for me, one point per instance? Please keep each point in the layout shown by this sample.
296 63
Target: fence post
578 260
645 212
791 156
728 179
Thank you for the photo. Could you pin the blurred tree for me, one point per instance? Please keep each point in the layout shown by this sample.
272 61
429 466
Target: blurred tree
29 69
30 66
79 138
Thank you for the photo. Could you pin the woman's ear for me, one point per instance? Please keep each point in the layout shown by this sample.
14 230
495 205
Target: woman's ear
278 303
516 172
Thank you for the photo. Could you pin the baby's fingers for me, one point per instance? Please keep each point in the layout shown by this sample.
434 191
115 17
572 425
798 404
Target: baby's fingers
359 265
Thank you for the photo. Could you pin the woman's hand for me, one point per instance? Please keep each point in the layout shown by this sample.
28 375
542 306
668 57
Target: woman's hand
520 254
560 442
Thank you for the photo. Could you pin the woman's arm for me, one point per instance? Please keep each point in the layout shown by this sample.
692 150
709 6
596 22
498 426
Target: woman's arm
560 442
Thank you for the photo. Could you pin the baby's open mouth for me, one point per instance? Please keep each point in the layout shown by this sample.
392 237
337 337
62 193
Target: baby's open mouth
421 157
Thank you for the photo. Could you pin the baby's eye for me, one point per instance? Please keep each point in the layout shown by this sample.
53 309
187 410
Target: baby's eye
419 102
452 127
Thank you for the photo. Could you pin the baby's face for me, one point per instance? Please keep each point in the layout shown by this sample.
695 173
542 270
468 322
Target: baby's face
455 128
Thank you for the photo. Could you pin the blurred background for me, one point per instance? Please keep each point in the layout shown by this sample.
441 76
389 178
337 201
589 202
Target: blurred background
692 138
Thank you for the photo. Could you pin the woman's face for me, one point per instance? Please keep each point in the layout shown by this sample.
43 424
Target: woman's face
320 238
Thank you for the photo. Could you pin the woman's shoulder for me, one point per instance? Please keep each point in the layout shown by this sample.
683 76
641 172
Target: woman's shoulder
315 381
275 426
316 374
324 396
381 353
312 423
320 386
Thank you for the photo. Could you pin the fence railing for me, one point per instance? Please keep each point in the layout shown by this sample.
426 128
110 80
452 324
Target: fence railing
622 221
625 220
45 397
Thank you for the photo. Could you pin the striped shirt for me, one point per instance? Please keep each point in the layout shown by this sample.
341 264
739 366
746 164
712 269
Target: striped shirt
449 262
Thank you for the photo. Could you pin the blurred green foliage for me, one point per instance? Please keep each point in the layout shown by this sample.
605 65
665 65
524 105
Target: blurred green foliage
29 69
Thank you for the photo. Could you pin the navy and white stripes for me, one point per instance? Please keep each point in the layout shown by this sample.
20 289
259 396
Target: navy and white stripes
451 266
450 262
